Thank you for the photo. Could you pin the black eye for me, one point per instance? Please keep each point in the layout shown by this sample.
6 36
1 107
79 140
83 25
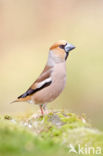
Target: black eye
62 46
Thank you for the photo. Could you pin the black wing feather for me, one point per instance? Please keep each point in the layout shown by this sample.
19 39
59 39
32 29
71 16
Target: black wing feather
32 91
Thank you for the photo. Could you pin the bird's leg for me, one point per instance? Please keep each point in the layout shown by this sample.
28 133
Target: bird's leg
45 108
41 108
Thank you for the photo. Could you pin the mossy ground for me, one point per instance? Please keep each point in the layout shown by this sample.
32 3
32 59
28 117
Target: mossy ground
48 135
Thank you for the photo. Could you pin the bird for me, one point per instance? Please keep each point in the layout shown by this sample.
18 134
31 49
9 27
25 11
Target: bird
52 80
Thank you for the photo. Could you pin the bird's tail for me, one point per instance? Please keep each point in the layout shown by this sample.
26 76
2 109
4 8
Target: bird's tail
17 100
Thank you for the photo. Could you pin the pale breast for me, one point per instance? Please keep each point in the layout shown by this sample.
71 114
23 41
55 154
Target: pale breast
58 83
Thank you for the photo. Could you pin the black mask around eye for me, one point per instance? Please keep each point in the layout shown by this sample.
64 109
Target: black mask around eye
67 47
62 46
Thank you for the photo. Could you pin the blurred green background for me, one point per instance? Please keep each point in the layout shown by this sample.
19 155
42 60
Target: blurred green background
27 30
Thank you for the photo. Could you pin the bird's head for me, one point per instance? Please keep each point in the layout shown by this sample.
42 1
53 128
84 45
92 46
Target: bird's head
59 51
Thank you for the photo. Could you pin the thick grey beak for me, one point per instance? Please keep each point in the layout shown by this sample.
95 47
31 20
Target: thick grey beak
69 47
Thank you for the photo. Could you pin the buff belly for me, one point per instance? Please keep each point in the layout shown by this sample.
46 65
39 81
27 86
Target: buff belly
51 92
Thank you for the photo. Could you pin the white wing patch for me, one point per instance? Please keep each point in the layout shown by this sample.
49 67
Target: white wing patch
44 82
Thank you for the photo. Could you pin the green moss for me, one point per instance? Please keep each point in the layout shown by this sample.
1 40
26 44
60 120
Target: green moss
17 140
48 135
7 117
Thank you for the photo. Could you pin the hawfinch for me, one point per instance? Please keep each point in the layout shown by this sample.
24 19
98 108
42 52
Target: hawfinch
51 81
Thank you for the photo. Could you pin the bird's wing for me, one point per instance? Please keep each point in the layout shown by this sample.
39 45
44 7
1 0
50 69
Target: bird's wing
43 81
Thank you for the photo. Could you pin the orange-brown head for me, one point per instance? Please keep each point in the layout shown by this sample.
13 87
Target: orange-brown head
59 51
